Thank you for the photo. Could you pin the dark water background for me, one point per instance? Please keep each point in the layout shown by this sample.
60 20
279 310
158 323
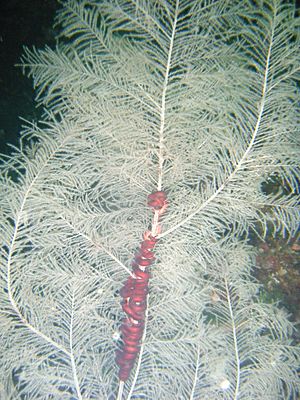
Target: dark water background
22 23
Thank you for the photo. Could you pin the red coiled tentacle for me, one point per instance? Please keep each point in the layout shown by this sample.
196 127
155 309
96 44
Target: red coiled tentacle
134 294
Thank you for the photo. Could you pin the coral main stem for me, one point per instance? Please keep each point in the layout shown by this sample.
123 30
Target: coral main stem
135 290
